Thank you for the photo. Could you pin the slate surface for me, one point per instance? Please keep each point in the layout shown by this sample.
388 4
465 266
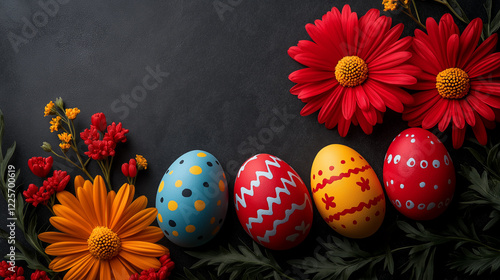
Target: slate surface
218 81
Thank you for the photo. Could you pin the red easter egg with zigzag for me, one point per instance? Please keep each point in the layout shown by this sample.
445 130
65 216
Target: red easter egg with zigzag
272 202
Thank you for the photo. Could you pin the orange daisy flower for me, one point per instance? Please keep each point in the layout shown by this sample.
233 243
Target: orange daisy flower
103 235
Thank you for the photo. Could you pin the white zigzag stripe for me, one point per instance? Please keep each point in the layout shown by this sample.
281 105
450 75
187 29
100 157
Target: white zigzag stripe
256 182
276 223
245 164
271 200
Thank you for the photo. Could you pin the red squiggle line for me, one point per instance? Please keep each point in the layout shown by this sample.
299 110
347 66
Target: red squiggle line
353 210
340 176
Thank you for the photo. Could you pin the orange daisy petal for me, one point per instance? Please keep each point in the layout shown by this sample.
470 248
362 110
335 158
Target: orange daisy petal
118 269
84 195
69 227
150 234
64 263
139 204
81 269
137 223
79 181
119 205
104 270
99 199
68 199
66 248
53 237
140 262
109 204
143 248
70 214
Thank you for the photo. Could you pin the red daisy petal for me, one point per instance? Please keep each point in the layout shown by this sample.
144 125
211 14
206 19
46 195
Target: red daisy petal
435 43
486 87
389 38
485 66
468 41
352 34
480 131
374 98
310 61
487 47
389 77
308 75
389 61
482 109
458 135
349 102
429 58
331 104
445 121
457 114
373 37
317 88
362 99
490 100
468 113
313 105
363 123
452 49
439 108
370 115
344 126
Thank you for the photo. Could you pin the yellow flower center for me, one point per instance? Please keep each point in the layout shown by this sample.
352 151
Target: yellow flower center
351 71
452 83
103 243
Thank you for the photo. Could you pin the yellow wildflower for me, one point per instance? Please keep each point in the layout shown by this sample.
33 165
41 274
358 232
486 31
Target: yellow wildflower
55 123
64 146
65 137
71 113
142 163
49 109
390 5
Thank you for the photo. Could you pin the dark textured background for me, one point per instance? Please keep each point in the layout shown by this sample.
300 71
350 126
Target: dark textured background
227 80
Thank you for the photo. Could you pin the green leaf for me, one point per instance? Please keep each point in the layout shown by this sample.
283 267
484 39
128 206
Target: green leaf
458 10
240 262
476 261
495 23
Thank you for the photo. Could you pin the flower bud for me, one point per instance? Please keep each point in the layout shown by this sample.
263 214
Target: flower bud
60 103
46 147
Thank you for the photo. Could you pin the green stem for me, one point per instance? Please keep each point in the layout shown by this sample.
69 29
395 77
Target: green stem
416 11
414 19
71 162
472 241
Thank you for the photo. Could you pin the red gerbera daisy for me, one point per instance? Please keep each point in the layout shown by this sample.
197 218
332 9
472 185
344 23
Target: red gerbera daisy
356 68
459 83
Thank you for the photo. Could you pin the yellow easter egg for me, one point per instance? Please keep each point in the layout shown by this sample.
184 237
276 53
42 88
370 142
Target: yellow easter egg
347 192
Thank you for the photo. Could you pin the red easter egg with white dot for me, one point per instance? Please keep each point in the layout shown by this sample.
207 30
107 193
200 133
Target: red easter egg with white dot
419 176
272 202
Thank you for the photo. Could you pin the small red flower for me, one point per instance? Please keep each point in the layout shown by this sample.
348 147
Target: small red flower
167 265
116 133
9 275
39 275
130 169
99 121
4 269
40 166
100 149
89 135
35 195
58 181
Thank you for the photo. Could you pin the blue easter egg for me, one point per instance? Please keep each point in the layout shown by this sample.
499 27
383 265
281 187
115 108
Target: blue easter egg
192 199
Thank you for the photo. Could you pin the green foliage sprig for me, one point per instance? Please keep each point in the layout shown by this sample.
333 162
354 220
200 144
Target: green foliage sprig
26 217
241 262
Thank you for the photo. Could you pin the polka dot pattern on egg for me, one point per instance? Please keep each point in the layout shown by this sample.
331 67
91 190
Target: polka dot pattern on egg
192 196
